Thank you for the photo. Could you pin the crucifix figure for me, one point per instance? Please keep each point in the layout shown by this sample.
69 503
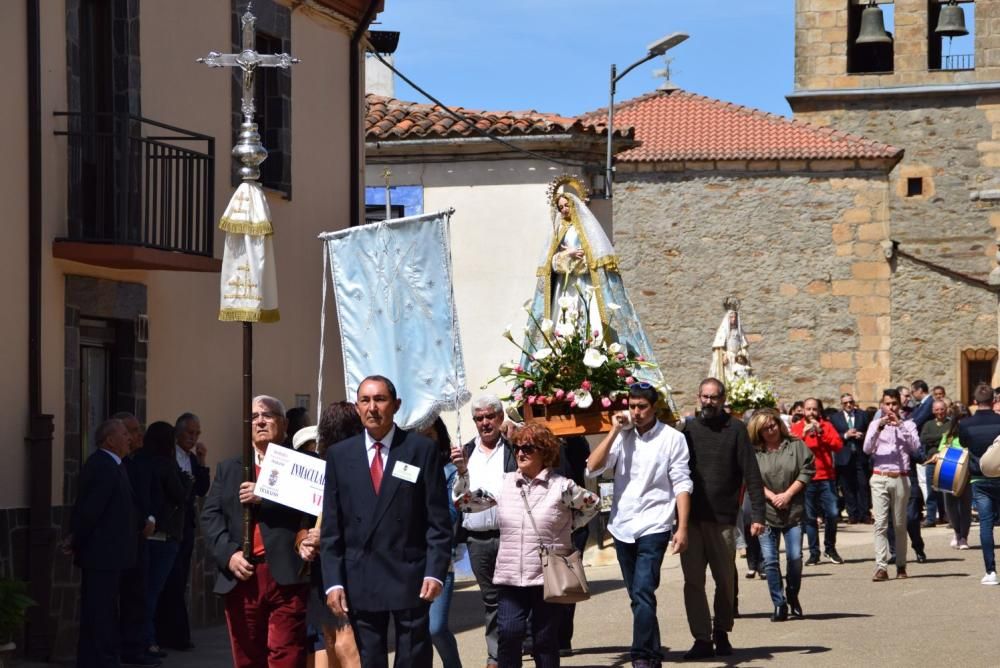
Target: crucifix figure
249 149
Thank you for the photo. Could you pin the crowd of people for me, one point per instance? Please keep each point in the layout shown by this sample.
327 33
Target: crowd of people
400 507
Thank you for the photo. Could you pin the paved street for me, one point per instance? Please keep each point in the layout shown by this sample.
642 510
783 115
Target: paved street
941 615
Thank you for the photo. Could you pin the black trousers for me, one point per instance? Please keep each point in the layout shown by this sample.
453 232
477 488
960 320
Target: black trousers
133 604
413 637
99 644
173 628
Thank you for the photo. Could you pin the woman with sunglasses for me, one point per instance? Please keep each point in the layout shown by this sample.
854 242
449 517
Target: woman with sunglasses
557 506
786 467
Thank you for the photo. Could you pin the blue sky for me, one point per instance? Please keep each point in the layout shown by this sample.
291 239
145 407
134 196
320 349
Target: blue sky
555 55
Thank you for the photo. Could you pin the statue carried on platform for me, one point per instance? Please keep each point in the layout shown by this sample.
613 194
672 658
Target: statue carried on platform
730 357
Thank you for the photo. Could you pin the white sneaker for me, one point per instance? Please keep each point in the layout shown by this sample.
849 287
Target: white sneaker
963 544
954 543
990 579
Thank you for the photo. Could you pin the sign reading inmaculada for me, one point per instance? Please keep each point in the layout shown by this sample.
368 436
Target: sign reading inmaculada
292 479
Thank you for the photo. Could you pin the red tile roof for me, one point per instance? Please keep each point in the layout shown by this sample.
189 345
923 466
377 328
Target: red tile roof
389 119
678 126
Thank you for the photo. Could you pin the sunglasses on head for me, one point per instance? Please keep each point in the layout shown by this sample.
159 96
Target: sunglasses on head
526 449
641 385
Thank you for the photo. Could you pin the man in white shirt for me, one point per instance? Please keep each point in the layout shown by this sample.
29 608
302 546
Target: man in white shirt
488 457
652 482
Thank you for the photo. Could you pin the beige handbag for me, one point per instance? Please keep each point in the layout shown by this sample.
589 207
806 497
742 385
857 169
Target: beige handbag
989 463
563 578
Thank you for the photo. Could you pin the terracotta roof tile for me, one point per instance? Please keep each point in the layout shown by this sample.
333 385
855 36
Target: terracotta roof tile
678 125
391 119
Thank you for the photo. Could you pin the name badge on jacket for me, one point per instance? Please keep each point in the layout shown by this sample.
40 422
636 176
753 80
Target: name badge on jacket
404 471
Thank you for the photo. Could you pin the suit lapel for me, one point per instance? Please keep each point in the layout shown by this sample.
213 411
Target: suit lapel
390 483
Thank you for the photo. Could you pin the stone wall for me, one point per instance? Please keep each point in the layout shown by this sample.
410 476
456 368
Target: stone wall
821 46
799 245
951 145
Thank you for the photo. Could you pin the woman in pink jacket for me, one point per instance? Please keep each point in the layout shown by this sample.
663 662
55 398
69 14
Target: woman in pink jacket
557 506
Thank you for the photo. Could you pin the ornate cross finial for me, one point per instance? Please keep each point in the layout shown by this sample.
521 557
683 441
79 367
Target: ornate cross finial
249 149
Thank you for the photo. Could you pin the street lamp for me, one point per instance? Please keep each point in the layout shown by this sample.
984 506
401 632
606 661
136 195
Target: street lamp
657 48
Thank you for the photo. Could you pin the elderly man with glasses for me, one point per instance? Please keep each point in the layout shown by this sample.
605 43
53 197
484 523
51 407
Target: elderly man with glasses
488 457
851 460
722 461
652 488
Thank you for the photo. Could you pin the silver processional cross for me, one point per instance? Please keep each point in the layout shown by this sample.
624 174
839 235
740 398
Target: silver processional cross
248 149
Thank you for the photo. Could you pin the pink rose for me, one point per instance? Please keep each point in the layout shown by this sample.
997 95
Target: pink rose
605 402
560 394
630 380
529 383
533 398
620 356
519 369
622 371
585 385
640 358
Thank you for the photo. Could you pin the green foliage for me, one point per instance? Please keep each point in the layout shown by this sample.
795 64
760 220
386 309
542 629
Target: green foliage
14 603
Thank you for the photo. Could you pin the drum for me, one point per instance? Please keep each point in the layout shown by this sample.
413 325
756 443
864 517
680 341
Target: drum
951 472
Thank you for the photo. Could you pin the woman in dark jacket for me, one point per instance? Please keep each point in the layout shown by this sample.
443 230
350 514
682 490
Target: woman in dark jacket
786 467
169 491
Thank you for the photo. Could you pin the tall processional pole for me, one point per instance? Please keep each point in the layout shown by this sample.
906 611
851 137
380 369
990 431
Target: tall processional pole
247 285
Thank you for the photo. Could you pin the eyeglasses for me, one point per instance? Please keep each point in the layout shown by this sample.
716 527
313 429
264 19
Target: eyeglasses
526 449
847 402
771 425
266 416
489 417
711 397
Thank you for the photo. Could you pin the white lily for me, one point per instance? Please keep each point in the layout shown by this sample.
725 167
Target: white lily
583 398
565 329
593 358
507 368
546 326
615 348
612 307
566 302
508 334
527 306
542 353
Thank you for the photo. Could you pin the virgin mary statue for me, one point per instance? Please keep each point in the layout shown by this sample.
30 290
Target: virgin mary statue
578 275
730 357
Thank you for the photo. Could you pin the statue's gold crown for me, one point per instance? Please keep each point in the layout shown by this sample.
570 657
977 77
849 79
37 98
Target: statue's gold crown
731 304
567 181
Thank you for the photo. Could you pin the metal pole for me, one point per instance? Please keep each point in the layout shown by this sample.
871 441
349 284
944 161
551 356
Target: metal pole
249 474
608 169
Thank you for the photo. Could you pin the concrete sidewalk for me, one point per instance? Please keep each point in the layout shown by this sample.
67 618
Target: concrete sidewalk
940 615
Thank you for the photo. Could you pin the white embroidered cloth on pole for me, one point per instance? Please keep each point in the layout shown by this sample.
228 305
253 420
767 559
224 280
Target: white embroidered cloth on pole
249 282
393 287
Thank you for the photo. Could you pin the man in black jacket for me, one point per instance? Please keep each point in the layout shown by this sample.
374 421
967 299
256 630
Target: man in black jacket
173 628
265 596
851 460
103 541
977 433
722 461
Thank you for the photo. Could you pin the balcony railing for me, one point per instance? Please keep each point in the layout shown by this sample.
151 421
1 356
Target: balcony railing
137 182
962 61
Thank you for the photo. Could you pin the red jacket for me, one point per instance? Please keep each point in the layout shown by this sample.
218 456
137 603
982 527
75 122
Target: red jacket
823 445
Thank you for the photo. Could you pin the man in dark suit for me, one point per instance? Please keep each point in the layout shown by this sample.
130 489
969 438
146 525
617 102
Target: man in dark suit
851 461
265 596
173 628
386 535
103 540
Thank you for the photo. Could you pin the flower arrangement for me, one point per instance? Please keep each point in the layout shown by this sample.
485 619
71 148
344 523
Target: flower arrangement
750 392
569 363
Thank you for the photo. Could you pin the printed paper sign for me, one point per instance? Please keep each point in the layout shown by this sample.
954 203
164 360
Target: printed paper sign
292 479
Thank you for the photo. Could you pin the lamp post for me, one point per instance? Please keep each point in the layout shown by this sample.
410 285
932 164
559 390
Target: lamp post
657 48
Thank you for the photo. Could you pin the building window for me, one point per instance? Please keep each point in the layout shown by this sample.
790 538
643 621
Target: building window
951 53
376 212
978 365
874 58
914 186
404 200
272 94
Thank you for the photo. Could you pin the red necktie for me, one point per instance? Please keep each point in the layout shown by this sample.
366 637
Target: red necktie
376 467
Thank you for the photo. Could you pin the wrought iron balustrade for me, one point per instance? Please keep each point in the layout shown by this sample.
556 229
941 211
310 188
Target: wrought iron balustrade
138 182
962 61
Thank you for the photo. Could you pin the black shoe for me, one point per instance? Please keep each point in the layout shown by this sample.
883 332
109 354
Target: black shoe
921 556
140 660
832 556
702 649
722 646
794 607
926 525
780 613
813 560
566 651
156 652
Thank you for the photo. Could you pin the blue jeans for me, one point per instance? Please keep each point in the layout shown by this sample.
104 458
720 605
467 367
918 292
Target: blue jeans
770 541
160 561
640 563
986 496
442 638
821 495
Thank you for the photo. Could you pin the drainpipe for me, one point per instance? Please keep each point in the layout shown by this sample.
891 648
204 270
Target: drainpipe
357 98
40 425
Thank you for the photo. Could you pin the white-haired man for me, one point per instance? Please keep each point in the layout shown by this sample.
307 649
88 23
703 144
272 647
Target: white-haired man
488 457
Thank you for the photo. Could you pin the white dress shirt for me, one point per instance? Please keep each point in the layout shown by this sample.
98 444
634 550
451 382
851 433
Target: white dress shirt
386 443
485 473
183 459
118 460
650 470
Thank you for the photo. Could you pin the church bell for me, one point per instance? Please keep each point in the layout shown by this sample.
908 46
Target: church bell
873 26
951 22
